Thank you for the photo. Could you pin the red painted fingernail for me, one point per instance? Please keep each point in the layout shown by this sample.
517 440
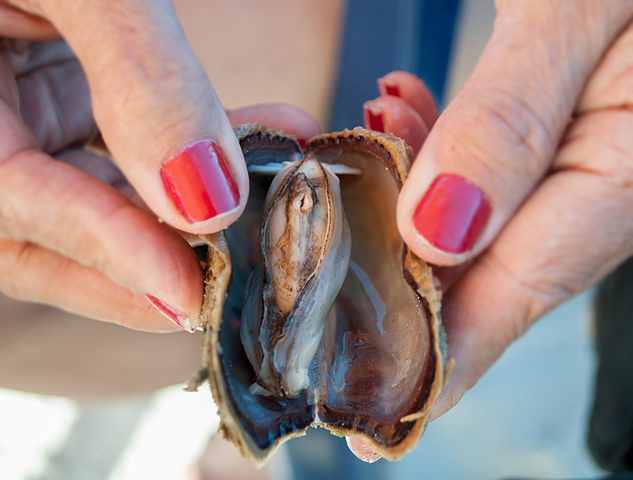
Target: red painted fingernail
373 118
172 314
199 182
388 88
451 214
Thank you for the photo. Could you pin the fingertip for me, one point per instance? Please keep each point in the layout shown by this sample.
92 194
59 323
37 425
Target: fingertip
443 224
175 316
280 116
146 318
202 186
362 450
445 402
428 252
393 115
413 91
17 24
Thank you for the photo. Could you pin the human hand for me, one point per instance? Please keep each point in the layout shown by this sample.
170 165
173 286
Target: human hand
73 232
539 139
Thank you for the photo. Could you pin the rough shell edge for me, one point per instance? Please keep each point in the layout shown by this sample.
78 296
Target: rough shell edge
428 287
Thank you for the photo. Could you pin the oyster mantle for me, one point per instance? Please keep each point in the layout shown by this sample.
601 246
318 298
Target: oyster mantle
377 363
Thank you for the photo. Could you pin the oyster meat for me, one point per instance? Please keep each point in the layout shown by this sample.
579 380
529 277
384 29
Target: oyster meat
315 312
304 254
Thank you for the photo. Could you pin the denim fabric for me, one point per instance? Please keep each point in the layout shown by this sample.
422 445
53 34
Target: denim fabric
385 35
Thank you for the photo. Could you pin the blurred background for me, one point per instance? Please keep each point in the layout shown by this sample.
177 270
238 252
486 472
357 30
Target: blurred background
87 400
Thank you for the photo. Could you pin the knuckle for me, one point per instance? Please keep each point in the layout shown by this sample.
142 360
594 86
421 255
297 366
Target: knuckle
16 183
89 238
109 221
174 78
616 155
600 143
520 129
15 259
617 168
535 291
504 134
29 6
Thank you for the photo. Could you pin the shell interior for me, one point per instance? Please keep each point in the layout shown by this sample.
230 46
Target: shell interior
379 365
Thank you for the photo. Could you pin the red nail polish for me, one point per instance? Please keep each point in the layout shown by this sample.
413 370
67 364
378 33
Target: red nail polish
388 88
199 182
451 214
178 318
392 90
373 119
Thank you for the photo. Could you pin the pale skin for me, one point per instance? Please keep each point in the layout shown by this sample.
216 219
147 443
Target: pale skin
543 127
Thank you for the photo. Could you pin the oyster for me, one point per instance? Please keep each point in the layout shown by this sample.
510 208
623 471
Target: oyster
313 331
305 246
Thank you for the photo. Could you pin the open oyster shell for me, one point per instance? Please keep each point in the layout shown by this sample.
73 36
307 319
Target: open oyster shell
379 363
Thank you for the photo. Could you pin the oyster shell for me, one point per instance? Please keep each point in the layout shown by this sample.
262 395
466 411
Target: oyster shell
373 362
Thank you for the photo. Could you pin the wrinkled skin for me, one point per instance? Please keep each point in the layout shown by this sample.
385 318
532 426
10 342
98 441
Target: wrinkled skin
548 140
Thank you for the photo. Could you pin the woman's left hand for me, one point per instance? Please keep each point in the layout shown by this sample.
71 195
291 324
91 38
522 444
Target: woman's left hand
549 171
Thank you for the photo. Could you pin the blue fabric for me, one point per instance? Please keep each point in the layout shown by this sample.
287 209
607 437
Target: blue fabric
380 36
435 38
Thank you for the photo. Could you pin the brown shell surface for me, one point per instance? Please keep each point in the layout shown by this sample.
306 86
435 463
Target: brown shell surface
396 157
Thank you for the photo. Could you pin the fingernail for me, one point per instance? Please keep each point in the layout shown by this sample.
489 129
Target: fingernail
451 214
386 88
199 182
373 118
171 313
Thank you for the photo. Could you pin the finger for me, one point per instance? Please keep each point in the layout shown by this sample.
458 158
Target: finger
51 204
15 23
412 90
363 452
287 118
64 210
32 273
393 115
612 83
592 175
447 276
104 170
156 109
55 99
496 140
571 232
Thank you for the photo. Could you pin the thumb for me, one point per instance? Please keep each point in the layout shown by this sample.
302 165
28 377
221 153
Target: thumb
496 140
156 109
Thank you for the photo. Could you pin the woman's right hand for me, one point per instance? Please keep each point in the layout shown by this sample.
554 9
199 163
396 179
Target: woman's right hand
73 232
